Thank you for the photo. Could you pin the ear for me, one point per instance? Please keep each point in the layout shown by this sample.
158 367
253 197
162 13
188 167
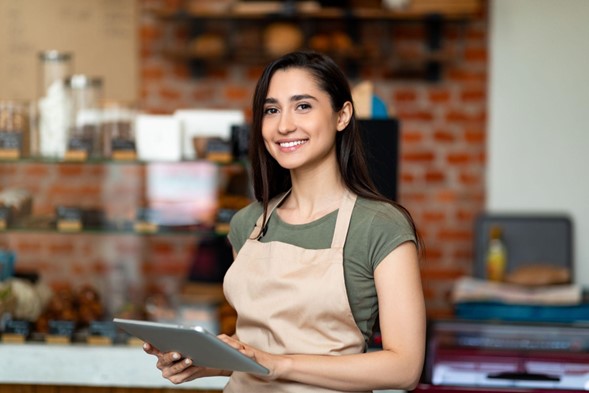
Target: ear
344 116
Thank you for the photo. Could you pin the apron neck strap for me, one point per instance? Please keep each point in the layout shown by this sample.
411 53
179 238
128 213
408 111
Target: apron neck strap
260 228
343 220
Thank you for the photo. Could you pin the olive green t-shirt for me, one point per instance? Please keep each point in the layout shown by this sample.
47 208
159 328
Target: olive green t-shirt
376 229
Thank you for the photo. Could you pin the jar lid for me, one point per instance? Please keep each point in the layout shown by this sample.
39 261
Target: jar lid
54 55
80 81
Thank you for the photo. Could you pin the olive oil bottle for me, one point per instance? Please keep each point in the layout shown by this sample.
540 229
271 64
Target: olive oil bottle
496 262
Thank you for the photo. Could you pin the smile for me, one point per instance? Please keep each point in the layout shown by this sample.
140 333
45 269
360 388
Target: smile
292 143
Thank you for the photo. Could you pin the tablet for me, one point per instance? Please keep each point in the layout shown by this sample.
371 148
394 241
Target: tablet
204 348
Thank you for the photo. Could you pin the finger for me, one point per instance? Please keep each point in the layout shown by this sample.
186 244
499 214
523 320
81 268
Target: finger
168 359
231 341
176 368
188 374
150 349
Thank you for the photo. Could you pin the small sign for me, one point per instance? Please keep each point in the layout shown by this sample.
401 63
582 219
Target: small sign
69 219
101 333
60 332
16 331
123 149
144 222
10 145
78 148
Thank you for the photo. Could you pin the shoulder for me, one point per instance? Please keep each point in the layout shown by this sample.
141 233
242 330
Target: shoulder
242 224
247 214
376 229
379 213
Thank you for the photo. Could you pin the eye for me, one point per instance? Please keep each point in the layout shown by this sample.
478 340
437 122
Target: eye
303 106
270 111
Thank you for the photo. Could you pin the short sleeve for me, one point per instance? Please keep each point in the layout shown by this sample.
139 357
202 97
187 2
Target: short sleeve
242 224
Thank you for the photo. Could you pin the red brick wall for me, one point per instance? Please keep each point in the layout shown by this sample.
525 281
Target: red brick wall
443 127
442 168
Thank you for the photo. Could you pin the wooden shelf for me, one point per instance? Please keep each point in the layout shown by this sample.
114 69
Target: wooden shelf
461 10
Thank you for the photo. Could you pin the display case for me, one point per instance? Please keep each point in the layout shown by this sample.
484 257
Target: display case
144 240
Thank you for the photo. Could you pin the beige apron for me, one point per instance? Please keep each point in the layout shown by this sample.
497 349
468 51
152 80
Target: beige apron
290 300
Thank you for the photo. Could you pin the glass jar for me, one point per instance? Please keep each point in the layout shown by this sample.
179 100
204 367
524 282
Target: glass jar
118 130
49 140
85 95
14 129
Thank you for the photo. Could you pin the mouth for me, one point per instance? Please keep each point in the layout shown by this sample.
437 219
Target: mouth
291 144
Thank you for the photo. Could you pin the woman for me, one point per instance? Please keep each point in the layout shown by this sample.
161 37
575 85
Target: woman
320 254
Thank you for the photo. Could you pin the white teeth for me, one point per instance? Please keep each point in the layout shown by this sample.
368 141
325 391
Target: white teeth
291 144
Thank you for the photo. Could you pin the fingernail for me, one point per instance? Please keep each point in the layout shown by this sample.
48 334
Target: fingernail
176 356
187 361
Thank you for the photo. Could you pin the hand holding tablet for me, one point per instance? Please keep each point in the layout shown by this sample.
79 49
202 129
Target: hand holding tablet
202 347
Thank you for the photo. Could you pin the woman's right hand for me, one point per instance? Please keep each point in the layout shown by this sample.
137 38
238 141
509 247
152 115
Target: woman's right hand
177 369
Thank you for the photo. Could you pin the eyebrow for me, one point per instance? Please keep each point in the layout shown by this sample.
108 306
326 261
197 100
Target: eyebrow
295 98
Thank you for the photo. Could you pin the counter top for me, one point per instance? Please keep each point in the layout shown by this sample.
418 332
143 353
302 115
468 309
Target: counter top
90 365
86 365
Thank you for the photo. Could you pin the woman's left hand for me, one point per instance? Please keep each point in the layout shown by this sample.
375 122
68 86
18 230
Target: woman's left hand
271 362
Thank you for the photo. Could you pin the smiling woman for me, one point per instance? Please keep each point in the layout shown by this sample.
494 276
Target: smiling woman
327 255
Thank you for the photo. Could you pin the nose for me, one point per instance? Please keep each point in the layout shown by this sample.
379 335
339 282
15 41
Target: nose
286 124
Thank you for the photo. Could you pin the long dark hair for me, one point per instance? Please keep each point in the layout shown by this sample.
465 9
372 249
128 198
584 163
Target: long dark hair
269 178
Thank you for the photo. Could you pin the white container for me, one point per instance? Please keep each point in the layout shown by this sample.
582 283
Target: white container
53 106
207 123
158 138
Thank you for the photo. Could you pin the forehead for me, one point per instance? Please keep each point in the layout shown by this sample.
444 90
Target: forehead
293 79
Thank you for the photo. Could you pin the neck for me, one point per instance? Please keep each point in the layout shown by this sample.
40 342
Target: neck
313 195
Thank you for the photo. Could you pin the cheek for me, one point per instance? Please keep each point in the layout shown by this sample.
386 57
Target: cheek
267 140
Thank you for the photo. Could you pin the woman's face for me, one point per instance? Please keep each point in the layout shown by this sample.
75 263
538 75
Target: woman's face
299 125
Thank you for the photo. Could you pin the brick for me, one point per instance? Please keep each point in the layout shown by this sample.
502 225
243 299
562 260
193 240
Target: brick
462 116
418 156
460 158
439 96
435 176
69 170
466 215
61 247
446 196
473 95
170 93
440 273
455 235
434 216
475 136
433 254
201 94
152 73
406 177
412 136
405 95
36 170
149 33
476 55
406 114
237 93
444 136
469 178
466 76
181 71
